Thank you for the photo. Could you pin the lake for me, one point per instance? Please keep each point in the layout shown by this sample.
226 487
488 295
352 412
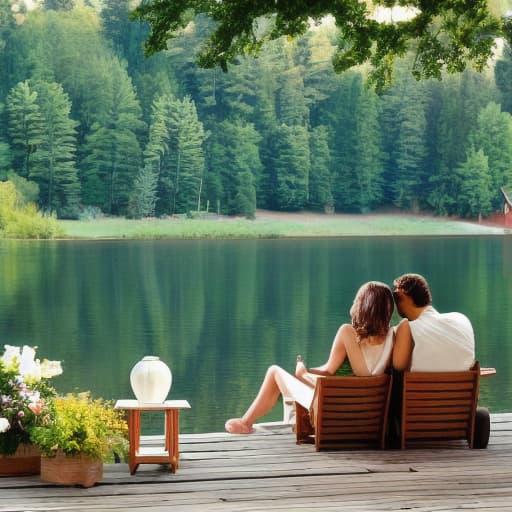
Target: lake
220 312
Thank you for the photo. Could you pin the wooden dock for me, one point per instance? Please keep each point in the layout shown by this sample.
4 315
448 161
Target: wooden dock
268 471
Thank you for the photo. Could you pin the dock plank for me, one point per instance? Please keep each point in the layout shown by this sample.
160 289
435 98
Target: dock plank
267 470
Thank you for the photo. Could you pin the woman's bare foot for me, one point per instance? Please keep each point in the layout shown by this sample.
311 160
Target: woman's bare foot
238 426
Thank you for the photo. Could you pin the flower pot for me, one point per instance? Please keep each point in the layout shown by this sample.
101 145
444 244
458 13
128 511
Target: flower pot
71 469
151 380
26 460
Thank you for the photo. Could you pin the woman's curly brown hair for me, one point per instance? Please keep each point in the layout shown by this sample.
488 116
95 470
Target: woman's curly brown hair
372 309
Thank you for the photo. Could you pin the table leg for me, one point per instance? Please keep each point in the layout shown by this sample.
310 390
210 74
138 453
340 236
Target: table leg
134 438
171 437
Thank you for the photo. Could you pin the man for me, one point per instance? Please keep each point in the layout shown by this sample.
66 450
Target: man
427 340
432 342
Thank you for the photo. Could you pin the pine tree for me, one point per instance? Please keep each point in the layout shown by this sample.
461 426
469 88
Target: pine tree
291 101
7 29
368 152
461 100
5 160
493 134
25 126
409 150
357 164
503 77
473 179
339 113
290 166
234 160
245 197
112 151
143 197
186 144
54 161
175 149
320 193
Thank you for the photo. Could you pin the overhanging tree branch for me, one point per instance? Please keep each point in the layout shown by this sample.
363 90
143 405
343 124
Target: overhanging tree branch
444 34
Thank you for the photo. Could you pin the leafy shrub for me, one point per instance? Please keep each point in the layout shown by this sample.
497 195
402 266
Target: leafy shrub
23 221
82 425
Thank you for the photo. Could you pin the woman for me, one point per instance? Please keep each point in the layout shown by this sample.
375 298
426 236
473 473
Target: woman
367 343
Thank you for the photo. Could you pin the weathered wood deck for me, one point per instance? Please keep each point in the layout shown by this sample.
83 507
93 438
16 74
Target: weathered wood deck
267 470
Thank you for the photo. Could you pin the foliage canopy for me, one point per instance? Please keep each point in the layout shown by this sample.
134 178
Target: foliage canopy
443 34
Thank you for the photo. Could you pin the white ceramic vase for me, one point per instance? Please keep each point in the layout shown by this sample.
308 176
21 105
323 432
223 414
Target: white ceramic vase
151 380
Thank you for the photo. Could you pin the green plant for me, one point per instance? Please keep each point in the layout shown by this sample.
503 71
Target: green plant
82 425
25 395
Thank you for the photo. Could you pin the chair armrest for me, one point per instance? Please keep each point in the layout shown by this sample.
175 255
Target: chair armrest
487 372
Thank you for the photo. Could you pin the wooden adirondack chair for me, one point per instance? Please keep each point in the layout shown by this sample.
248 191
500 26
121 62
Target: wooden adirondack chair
443 406
347 412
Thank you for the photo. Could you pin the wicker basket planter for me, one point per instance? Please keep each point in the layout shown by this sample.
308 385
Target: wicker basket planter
71 470
25 461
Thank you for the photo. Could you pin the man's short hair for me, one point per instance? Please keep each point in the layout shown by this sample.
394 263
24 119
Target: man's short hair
414 286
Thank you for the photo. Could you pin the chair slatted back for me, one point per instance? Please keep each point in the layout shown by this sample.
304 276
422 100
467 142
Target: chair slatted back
440 405
351 412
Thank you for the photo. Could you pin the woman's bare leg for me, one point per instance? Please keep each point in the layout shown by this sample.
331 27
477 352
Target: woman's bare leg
272 386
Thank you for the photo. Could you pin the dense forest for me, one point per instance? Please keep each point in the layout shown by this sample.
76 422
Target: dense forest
89 125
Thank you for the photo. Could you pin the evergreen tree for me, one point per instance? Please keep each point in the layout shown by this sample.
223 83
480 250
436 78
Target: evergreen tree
186 145
112 151
245 197
339 113
357 153
54 161
127 36
292 109
368 152
175 149
5 160
320 193
461 100
320 80
143 197
235 163
68 47
473 180
25 126
493 134
7 28
290 166
410 151
503 77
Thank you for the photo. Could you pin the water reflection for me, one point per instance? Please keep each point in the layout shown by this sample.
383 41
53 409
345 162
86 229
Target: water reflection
219 312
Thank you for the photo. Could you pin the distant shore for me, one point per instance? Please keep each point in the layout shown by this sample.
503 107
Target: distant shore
268 224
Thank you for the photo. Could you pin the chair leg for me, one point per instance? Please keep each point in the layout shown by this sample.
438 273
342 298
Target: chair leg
303 428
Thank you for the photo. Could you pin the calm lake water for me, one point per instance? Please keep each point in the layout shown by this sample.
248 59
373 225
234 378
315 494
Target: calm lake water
220 312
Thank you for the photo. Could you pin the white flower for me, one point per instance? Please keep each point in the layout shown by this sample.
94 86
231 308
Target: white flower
11 356
30 368
50 369
4 425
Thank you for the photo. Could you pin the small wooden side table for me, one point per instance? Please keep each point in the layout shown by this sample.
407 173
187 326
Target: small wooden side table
167 454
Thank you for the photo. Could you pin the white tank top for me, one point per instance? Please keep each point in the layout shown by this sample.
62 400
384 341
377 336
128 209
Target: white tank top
377 356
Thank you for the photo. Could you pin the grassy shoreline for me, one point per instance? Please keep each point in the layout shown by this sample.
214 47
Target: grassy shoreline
274 225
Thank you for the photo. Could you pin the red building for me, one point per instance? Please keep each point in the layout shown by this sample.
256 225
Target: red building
507 209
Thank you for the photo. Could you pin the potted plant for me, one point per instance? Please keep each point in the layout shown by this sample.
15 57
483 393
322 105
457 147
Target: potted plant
82 433
25 400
